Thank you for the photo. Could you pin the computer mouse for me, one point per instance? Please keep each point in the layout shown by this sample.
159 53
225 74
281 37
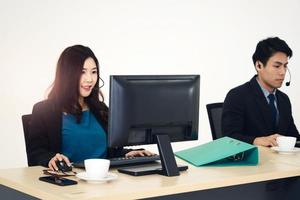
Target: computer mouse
62 166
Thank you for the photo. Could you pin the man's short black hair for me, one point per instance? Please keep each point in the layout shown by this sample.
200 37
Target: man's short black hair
268 47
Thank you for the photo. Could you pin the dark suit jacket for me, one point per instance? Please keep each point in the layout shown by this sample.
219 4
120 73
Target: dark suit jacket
45 133
247 115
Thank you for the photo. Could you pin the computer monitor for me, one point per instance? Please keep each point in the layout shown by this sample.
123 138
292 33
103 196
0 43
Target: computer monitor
144 106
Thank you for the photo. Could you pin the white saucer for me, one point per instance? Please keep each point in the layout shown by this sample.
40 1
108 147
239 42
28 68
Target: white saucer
294 150
109 177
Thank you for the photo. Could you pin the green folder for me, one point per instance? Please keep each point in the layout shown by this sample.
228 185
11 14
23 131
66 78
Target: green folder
224 151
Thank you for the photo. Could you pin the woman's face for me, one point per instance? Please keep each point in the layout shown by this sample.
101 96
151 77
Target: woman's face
88 77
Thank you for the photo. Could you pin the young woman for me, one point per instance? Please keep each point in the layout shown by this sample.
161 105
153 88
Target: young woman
71 124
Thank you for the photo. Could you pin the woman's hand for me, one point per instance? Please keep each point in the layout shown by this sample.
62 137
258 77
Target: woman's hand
52 163
139 153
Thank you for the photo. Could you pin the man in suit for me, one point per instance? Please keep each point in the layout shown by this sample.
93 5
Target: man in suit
257 112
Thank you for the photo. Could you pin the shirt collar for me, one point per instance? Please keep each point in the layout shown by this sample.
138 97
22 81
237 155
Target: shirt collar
266 92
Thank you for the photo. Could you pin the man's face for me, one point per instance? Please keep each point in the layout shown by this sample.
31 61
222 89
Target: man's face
272 74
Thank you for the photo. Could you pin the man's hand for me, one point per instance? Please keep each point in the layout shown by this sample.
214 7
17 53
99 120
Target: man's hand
267 141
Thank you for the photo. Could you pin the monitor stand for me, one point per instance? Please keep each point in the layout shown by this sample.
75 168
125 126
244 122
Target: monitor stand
168 162
168 166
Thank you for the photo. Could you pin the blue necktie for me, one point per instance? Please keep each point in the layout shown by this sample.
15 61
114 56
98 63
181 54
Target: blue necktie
274 110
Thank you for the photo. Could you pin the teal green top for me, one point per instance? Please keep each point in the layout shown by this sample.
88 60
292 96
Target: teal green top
84 140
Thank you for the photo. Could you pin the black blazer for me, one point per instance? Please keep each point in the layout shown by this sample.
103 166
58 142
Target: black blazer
247 115
45 133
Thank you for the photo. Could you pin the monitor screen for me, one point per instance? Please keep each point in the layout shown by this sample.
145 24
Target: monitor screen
142 106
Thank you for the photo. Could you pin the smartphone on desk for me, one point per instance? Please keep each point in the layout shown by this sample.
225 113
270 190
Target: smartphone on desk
57 181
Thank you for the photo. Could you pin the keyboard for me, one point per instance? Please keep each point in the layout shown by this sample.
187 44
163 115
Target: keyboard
126 161
133 160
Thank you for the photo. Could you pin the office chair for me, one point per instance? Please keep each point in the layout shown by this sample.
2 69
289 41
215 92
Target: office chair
214 111
26 122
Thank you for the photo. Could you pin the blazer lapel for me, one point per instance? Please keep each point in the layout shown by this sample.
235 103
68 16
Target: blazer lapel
262 103
282 111
55 126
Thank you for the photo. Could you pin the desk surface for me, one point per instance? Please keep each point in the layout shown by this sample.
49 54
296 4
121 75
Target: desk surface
271 166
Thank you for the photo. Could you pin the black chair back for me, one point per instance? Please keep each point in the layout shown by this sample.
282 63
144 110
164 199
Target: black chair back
26 123
214 111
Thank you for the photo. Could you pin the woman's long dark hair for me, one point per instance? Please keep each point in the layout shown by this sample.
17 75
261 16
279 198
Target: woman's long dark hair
65 89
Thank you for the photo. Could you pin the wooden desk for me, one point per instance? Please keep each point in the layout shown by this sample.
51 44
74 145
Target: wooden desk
272 166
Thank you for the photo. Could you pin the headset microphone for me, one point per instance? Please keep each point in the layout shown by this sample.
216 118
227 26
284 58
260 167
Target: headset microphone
288 82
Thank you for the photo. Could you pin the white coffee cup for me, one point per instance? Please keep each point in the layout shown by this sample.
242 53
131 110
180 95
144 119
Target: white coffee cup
286 143
96 168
